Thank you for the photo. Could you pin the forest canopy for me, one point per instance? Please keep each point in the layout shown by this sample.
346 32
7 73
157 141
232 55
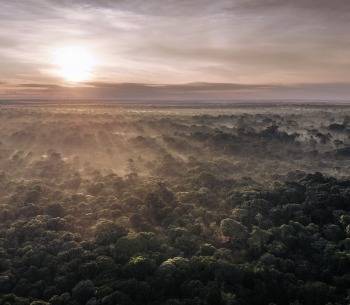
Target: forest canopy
105 205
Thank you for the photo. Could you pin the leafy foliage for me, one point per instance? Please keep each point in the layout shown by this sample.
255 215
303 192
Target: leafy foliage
209 209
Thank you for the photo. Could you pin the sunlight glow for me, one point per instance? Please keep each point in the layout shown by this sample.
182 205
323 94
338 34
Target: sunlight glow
76 63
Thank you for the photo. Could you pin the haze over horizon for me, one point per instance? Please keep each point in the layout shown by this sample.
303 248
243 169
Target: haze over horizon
196 49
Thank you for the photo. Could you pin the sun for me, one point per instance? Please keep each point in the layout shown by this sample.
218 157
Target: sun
75 63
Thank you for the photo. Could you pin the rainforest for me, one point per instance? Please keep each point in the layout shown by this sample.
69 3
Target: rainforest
166 204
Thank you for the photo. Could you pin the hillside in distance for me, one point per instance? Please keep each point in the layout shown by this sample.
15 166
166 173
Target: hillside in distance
151 204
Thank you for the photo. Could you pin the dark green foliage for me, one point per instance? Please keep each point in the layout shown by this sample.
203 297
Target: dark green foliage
60 299
108 232
83 291
55 210
227 209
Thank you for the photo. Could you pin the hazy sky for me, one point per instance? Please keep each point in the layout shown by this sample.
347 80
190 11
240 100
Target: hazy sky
151 49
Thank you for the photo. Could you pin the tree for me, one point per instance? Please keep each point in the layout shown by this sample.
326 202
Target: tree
108 232
83 291
234 230
316 293
55 210
140 267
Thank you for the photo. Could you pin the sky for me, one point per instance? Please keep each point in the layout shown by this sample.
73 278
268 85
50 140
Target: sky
178 49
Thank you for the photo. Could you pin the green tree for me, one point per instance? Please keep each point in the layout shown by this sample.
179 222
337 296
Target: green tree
234 230
108 232
83 291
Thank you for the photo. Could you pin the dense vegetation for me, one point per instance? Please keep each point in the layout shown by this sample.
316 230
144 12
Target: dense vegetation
166 205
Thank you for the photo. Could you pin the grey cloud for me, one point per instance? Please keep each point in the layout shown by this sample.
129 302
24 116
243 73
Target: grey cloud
326 5
41 86
257 60
259 41
205 87
8 42
190 7
16 10
153 7
118 85
193 87
41 8
190 91
132 90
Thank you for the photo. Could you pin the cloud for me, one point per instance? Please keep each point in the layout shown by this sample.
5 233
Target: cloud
190 91
41 86
207 87
180 41
180 88
314 5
